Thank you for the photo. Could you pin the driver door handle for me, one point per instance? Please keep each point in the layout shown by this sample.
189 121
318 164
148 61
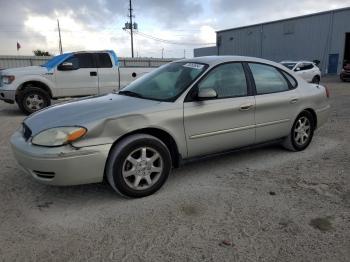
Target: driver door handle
93 73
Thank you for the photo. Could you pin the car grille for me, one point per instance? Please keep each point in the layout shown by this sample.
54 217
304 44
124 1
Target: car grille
27 133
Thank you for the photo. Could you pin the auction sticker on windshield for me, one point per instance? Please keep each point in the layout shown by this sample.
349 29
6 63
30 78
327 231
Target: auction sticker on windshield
194 66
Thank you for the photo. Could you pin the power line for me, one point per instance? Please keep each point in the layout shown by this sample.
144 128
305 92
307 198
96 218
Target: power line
169 41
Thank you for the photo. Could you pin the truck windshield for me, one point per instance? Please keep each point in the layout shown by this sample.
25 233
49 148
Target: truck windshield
165 83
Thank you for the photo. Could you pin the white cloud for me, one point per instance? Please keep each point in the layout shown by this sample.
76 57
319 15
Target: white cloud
92 24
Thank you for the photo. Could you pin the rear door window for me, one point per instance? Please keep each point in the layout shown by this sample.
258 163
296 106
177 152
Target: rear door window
85 60
268 79
104 60
291 79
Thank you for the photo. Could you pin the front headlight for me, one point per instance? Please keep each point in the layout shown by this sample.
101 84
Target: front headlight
7 79
58 136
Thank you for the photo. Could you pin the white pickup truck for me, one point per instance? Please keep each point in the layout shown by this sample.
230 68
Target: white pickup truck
67 75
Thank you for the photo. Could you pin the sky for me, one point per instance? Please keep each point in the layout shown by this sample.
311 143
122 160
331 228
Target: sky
169 27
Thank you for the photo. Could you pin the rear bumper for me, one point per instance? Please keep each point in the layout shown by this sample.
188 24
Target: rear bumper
60 166
8 96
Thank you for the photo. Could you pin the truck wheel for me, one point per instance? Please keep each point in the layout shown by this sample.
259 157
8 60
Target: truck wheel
138 165
32 99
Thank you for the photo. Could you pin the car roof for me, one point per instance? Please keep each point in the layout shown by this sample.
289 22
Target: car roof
215 60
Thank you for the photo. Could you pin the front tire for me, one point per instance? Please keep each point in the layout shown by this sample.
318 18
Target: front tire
32 99
138 166
301 133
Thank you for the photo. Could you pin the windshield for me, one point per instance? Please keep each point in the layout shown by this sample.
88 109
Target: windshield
165 83
289 65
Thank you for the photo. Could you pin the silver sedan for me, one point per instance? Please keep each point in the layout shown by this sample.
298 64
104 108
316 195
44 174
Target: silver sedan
185 109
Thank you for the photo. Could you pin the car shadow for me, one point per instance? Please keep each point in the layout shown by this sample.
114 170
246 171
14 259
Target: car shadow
202 170
240 158
192 170
11 111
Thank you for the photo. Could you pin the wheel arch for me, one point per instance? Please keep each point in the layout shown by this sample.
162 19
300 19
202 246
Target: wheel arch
313 113
38 84
162 135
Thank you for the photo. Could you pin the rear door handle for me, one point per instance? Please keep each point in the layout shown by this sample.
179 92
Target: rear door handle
246 107
294 100
93 73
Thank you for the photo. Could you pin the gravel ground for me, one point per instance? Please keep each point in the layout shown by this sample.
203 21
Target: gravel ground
265 204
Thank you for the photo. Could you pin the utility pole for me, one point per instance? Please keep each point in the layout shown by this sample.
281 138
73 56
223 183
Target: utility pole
162 53
59 36
131 26
184 53
131 29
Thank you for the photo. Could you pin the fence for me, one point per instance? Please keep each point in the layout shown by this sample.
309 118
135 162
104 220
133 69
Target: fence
21 61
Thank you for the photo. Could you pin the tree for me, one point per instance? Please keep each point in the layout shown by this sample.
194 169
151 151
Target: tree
39 52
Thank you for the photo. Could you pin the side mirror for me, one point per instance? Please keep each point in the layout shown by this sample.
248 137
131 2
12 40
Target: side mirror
207 93
66 66
297 69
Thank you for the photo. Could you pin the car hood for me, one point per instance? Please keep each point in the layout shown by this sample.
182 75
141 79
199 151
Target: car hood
28 70
87 112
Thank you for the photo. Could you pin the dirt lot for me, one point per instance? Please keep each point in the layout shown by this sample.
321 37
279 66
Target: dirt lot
265 204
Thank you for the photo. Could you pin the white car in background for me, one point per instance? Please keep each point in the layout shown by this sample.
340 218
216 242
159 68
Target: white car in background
305 69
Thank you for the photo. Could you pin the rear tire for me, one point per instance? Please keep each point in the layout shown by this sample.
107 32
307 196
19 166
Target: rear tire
301 133
138 166
316 80
32 99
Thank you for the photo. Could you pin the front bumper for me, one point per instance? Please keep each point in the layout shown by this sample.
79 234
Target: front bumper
8 96
60 166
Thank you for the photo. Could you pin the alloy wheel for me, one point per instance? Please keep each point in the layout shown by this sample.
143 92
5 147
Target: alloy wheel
142 168
302 131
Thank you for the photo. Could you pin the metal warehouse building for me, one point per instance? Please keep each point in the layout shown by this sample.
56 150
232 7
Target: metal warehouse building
321 36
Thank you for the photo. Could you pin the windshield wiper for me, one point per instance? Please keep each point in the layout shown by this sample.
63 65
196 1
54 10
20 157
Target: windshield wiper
129 93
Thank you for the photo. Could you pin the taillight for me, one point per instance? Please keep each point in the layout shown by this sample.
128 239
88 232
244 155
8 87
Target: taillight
327 91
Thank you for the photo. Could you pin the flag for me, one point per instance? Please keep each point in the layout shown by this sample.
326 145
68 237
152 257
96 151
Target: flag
18 46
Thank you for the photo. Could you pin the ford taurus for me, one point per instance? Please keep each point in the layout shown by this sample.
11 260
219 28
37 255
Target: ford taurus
185 109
